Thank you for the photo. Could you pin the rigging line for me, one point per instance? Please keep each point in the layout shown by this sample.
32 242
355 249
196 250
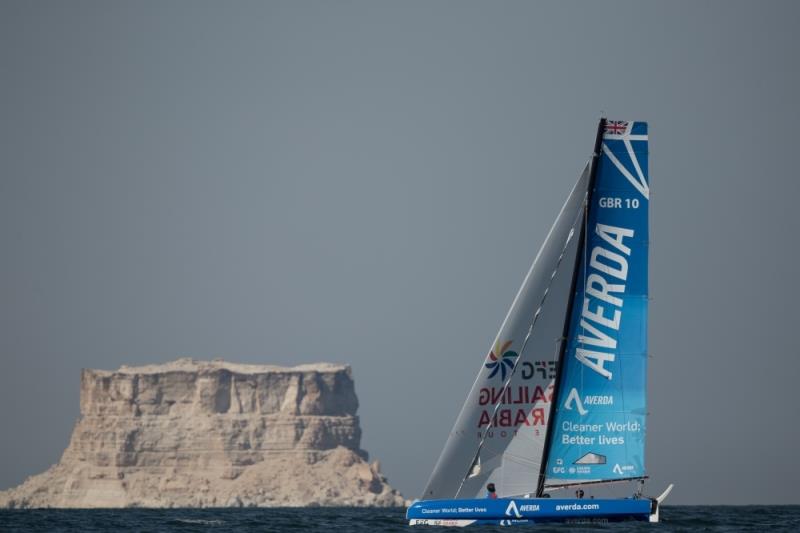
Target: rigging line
536 315
583 292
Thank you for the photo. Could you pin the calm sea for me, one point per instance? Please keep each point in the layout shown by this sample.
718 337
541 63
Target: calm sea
339 520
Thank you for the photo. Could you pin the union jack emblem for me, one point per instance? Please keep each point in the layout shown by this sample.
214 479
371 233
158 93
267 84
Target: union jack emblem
616 127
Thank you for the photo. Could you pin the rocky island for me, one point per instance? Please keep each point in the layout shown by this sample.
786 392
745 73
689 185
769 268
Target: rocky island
212 434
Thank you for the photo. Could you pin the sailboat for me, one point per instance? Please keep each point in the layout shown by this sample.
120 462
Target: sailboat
559 403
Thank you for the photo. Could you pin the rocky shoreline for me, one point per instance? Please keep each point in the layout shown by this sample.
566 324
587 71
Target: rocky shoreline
212 434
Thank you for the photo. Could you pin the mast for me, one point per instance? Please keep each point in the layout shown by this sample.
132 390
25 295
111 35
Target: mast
598 143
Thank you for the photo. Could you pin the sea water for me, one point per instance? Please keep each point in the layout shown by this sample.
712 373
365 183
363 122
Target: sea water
341 520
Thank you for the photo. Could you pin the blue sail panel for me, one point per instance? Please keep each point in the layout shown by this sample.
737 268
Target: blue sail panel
599 420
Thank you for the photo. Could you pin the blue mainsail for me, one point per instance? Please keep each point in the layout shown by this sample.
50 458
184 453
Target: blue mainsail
598 421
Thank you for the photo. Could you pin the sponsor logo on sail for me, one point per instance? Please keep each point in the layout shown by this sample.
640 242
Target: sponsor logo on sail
501 360
601 313
624 469
574 398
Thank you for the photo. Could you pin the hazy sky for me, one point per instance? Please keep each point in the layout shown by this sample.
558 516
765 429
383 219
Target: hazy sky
368 182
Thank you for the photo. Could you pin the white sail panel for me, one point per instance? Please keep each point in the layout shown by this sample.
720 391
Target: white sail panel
499 434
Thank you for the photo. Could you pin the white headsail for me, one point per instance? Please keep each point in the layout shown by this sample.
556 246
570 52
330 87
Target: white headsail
500 432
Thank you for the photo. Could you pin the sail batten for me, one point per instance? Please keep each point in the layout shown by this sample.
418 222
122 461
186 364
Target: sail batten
551 488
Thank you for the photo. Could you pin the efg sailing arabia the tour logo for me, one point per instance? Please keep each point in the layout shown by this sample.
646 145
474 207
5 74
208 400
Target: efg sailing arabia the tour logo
501 360
504 406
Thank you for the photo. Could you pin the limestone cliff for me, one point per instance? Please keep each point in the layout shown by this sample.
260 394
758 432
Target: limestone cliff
212 434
